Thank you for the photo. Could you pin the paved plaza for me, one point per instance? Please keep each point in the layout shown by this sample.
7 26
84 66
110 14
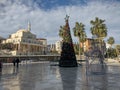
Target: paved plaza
44 76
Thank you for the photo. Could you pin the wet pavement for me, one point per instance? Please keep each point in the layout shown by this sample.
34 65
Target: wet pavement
43 76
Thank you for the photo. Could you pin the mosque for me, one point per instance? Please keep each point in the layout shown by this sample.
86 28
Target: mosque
26 43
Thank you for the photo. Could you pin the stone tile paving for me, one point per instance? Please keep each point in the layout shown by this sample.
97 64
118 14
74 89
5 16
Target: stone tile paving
43 76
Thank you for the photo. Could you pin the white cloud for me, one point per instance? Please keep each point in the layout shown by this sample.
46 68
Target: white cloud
46 23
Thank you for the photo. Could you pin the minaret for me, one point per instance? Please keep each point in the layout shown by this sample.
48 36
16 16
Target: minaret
29 26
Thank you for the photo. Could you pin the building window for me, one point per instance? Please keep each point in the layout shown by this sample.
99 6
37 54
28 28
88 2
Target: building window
13 41
29 41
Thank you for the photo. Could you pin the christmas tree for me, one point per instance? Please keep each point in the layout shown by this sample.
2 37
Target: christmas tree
68 58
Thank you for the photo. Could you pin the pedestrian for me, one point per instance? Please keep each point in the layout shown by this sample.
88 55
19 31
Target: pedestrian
17 61
13 62
0 65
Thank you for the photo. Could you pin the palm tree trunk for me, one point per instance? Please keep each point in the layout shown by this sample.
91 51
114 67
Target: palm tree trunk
117 53
83 50
79 49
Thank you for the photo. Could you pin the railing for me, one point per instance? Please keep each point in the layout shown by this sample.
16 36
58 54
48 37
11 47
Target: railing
9 58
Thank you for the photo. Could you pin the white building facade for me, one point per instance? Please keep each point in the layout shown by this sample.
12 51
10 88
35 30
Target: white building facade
26 43
58 45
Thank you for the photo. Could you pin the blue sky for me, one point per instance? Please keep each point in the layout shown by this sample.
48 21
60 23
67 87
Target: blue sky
46 16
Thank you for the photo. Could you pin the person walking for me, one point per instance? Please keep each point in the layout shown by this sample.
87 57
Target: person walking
17 61
13 62
0 65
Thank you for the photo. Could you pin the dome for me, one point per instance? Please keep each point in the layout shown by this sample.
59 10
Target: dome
22 30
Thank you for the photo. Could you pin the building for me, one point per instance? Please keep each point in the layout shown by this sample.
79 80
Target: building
43 41
58 46
51 48
93 43
26 43
87 44
108 45
1 39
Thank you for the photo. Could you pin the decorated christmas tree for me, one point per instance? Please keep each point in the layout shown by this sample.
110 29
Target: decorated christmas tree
68 58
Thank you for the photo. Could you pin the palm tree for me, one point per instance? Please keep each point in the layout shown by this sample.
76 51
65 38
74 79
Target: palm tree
61 31
83 39
111 41
79 31
99 29
118 50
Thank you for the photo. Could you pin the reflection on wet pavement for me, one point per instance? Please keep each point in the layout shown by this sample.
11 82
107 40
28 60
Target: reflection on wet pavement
42 76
